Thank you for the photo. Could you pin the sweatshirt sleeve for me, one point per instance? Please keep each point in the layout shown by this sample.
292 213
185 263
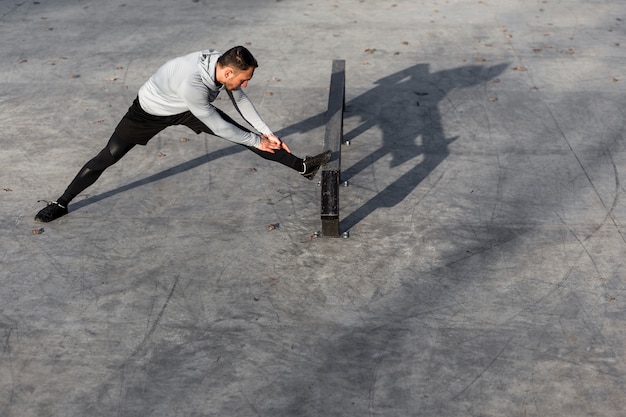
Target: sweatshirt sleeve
247 110
196 96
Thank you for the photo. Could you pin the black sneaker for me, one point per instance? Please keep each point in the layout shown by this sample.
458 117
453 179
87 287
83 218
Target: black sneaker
51 212
312 164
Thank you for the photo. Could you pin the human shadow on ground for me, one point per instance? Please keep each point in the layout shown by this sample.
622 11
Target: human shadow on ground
404 107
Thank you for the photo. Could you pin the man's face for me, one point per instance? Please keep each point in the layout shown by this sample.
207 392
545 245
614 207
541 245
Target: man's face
238 79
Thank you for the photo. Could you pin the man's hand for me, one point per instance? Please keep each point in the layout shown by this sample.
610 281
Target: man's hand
271 143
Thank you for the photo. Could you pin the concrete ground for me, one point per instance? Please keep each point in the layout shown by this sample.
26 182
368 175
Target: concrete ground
485 271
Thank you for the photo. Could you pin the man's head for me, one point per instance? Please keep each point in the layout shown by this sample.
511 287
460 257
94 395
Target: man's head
235 68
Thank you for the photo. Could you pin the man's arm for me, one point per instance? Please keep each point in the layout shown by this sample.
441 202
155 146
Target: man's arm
269 141
195 94
247 110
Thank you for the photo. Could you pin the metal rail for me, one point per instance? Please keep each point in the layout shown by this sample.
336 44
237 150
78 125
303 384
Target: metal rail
333 138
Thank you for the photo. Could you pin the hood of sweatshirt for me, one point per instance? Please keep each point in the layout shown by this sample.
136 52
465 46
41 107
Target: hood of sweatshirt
206 63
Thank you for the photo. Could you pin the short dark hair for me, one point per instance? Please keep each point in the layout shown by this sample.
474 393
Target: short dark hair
239 58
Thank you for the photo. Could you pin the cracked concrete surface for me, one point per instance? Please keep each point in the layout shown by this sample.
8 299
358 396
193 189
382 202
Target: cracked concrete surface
484 273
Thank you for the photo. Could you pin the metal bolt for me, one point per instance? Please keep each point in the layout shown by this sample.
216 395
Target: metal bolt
345 235
346 183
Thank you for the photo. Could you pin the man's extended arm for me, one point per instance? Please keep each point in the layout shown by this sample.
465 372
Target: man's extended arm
247 110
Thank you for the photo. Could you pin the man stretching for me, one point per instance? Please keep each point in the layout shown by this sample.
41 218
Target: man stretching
181 93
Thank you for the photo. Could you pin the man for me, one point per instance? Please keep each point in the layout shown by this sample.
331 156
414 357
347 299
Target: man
181 93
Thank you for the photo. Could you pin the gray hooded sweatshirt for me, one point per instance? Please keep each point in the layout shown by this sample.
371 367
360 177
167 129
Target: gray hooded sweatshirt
188 83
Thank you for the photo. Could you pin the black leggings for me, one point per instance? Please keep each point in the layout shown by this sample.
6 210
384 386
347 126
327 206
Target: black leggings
136 128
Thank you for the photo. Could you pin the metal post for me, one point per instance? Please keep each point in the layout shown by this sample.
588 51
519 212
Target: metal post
333 137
